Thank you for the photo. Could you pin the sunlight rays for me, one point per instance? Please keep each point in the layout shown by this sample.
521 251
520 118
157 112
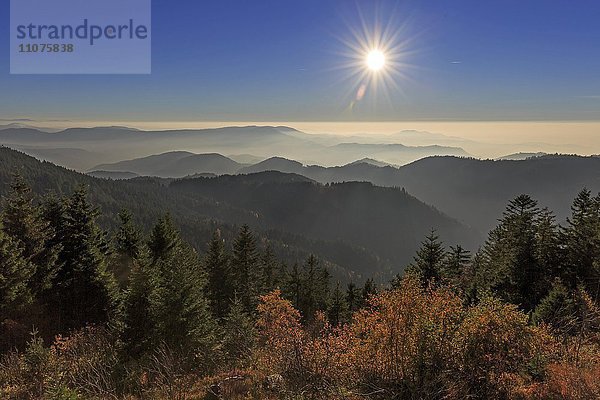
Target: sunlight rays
374 58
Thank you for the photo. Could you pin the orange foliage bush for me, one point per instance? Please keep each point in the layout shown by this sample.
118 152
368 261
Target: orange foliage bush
406 334
408 343
567 382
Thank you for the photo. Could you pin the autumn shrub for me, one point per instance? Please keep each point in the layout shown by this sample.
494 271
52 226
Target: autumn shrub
88 361
409 342
496 350
406 336
566 381
308 360
280 335
34 374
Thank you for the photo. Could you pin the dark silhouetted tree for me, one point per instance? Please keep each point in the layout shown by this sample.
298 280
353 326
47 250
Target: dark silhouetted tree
429 260
84 291
246 269
315 288
582 240
337 312
518 253
457 261
269 270
24 222
15 273
220 279
353 297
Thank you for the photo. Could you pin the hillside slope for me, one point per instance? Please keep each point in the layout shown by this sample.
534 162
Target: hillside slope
475 191
358 229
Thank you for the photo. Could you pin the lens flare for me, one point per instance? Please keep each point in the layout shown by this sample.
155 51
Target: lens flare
375 57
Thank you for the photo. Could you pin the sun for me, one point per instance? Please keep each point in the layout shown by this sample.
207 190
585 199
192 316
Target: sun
375 60
375 51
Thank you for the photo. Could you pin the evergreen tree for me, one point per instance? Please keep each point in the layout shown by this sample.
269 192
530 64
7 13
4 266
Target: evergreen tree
15 273
246 269
511 253
164 238
138 323
238 335
474 281
369 289
294 286
338 308
220 288
455 265
558 309
549 256
281 275
128 238
178 306
128 245
315 288
83 289
53 212
582 240
270 271
23 221
353 297
429 260
396 281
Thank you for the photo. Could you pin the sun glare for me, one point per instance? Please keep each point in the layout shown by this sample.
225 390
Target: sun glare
375 60
374 54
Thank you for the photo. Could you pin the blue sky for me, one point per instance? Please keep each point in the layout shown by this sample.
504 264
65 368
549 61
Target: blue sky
278 60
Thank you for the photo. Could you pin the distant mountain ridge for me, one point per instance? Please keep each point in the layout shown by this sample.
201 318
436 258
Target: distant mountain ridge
474 191
176 164
357 229
522 156
116 143
113 174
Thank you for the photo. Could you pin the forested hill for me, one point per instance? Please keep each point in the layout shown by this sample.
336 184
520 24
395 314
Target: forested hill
358 229
388 221
473 191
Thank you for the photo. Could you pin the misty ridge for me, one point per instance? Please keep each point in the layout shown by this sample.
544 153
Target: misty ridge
367 206
432 167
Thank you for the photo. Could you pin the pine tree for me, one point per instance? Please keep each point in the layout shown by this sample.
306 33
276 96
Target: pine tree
474 284
558 309
178 307
512 256
220 279
246 269
293 286
455 265
138 324
429 260
369 289
315 288
15 273
128 238
337 312
582 240
128 246
549 256
281 275
83 289
353 297
269 270
238 335
23 221
164 238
